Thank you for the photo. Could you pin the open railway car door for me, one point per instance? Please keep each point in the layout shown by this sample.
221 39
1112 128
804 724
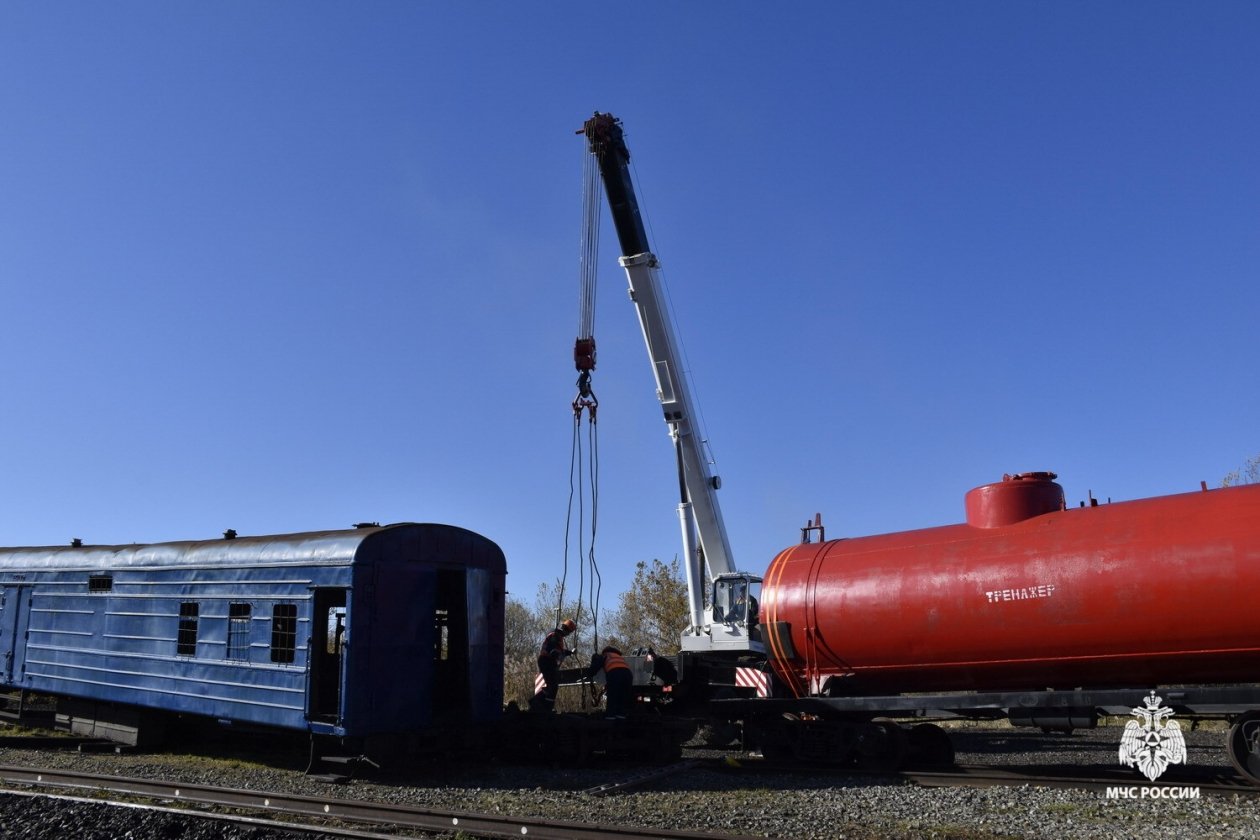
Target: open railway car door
328 627
450 642
14 619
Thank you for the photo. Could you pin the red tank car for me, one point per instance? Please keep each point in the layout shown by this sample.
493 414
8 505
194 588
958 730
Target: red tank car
1028 594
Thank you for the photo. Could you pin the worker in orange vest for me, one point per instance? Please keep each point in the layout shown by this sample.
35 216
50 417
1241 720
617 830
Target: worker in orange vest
618 681
553 652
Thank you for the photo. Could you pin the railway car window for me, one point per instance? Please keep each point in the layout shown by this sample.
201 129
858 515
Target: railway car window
336 629
283 632
100 583
238 631
442 635
186 643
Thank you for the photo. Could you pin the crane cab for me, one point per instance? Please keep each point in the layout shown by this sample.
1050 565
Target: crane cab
732 621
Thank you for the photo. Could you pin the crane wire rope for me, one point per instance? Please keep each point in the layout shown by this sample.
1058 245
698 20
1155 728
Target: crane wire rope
588 257
596 582
578 494
584 466
582 469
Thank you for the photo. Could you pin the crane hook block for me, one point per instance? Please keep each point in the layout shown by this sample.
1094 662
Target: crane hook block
584 354
585 398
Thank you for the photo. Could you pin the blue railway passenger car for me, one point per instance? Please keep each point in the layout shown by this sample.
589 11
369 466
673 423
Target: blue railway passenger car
370 633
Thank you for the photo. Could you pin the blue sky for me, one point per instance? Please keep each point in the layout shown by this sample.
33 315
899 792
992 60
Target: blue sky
282 266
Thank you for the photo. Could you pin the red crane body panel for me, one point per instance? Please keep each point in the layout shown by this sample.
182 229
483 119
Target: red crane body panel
1155 591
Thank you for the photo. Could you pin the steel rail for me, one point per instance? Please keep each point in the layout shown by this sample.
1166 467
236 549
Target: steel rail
375 813
316 829
55 742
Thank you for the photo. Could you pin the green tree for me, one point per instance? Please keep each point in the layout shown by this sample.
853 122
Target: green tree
1249 473
653 612
520 650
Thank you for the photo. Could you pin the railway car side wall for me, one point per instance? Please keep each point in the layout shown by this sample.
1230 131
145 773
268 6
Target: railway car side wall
377 630
219 642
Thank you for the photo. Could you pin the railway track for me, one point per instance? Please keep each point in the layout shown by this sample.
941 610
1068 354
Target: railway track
325 809
221 823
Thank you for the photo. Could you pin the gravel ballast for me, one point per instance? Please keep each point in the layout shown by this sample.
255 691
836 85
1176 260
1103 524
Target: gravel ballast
731 800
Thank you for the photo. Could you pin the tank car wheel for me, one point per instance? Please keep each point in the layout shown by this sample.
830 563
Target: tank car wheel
1243 745
929 746
775 739
881 746
776 750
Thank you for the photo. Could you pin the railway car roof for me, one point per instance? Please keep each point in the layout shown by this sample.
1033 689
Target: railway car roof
325 548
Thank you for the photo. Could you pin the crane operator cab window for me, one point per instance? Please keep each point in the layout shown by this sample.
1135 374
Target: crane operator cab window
735 601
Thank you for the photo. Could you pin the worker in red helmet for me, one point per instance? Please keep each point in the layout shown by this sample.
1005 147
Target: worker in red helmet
618 681
553 652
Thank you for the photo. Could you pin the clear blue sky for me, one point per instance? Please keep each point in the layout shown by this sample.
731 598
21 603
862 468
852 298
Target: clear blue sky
279 266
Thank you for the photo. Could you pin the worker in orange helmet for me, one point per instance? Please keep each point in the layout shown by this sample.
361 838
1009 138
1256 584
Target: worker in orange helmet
553 652
618 681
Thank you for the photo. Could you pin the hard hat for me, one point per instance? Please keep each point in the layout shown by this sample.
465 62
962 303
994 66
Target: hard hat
568 626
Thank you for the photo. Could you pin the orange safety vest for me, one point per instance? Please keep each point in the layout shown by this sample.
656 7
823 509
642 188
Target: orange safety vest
613 661
553 646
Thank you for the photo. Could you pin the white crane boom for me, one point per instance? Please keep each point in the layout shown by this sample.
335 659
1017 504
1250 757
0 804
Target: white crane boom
705 542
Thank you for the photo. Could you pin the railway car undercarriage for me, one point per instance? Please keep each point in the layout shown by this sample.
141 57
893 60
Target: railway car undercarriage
877 733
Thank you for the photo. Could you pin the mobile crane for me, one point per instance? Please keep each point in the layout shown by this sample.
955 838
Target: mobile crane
725 633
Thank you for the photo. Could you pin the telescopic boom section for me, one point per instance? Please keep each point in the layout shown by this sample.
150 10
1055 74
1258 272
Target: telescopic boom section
607 143
698 511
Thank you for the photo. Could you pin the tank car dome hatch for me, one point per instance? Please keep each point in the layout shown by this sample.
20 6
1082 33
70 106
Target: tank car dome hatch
1013 499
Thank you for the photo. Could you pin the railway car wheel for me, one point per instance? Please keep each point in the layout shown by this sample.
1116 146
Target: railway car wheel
582 749
667 747
929 746
1243 745
881 746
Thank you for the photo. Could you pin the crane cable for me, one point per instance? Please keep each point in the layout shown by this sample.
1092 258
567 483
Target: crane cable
584 346
581 470
585 465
